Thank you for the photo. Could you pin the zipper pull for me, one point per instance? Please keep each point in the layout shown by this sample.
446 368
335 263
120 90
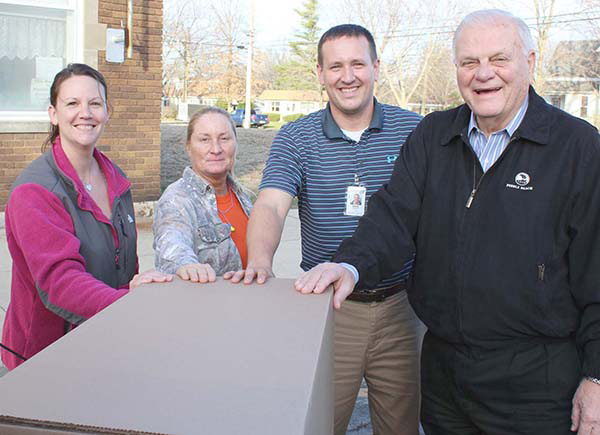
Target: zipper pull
122 226
541 271
471 197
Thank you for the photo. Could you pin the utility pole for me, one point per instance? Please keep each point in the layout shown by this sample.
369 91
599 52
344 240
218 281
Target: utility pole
186 70
248 106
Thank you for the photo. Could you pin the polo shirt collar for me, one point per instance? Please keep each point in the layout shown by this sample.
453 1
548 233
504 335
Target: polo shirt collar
332 131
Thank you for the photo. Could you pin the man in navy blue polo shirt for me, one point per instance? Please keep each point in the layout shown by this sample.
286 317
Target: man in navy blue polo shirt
333 160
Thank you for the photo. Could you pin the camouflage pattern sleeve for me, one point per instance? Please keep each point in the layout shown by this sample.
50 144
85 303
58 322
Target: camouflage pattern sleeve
174 227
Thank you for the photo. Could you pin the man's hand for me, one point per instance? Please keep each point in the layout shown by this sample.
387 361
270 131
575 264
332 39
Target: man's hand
320 277
197 272
148 276
260 273
585 417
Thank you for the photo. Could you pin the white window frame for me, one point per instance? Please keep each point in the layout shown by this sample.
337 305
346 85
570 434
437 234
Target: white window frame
30 120
584 106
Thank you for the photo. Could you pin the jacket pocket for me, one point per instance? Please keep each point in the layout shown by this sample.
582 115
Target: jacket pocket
556 309
210 246
542 298
214 234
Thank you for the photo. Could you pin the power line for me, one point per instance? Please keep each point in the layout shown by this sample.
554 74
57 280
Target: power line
446 28
171 39
413 31
446 32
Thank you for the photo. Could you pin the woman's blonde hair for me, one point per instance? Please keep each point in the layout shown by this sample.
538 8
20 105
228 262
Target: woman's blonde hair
197 115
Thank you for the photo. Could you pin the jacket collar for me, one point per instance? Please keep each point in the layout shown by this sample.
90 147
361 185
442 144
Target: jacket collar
535 126
204 186
116 183
332 131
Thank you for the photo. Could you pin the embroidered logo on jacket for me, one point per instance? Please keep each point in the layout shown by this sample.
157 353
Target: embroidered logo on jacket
522 179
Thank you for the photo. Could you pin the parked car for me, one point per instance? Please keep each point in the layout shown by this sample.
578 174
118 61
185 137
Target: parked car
256 119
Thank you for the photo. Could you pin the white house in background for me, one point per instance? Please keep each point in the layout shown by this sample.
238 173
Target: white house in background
580 96
574 85
208 100
288 102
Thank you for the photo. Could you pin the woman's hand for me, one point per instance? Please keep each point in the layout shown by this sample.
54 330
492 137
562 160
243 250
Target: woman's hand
148 276
197 272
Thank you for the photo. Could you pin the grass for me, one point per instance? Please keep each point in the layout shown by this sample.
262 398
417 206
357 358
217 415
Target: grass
275 125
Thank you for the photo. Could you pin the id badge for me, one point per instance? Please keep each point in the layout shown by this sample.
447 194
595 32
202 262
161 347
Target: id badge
356 197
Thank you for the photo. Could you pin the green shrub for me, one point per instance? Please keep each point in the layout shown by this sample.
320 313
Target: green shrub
222 104
242 105
169 112
293 117
273 116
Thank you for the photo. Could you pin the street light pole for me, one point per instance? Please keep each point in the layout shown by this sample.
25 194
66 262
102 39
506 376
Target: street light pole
248 106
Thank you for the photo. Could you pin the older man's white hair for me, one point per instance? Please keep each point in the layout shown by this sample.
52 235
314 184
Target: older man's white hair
487 16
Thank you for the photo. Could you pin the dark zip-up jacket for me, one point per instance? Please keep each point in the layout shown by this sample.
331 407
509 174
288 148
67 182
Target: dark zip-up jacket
506 256
69 260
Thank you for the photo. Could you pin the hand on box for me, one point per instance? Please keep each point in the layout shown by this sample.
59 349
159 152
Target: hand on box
197 272
149 276
252 272
320 277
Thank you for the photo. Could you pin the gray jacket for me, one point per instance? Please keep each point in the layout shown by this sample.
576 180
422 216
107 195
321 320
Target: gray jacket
187 228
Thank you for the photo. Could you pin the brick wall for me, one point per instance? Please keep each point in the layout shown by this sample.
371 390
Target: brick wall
132 137
16 151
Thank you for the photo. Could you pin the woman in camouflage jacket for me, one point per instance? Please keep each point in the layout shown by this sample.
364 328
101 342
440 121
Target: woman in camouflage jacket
200 220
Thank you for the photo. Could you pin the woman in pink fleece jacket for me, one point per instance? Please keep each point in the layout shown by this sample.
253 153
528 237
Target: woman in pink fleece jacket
69 224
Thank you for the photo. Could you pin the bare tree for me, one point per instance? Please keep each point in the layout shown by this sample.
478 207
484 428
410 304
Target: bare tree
202 46
184 33
544 17
229 26
591 26
266 65
437 89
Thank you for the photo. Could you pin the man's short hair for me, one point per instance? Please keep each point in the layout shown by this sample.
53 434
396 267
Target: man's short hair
349 30
487 16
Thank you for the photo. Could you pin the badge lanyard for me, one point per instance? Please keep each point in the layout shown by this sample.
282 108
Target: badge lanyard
356 193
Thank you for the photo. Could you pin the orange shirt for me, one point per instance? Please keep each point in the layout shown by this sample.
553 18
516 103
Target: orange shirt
231 212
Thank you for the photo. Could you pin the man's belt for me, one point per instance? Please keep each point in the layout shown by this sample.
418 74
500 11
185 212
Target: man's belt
376 295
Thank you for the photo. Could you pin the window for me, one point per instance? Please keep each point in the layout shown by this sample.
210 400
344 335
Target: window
35 43
275 105
558 101
584 107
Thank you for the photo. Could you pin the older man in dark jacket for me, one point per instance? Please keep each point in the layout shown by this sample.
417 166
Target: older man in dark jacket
501 199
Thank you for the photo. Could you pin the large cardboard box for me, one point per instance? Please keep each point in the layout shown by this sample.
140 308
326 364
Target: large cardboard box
184 358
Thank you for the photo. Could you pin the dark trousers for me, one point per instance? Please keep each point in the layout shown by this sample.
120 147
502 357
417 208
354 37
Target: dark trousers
524 388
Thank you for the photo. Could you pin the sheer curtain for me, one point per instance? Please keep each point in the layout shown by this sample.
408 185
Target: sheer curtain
32 50
27 37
